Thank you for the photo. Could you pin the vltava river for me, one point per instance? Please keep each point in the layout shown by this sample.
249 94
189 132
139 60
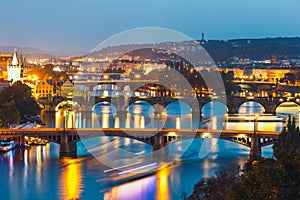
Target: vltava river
40 173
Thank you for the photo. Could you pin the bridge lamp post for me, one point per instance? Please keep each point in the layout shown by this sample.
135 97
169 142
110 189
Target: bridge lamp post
64 120
159 118
256 123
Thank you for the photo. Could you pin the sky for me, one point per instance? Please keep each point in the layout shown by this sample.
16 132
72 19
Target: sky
79 25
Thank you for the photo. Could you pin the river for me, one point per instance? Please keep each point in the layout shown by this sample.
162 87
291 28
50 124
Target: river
40 173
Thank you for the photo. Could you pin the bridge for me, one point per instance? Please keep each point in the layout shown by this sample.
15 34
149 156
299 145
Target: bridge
68 137
232 103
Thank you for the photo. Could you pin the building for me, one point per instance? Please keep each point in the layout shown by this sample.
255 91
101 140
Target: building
66 89
44 89
5 59
16 70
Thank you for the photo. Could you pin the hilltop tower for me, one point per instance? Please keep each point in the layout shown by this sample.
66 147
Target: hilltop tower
202 38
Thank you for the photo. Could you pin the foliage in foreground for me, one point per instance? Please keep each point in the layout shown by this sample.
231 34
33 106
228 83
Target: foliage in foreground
16 103
268 179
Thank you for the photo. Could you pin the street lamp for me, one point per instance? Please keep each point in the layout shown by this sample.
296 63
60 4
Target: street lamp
64 119
256 123
159 118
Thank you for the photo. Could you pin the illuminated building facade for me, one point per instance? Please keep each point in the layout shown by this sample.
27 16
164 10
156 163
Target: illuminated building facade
66 89
16 70
44 89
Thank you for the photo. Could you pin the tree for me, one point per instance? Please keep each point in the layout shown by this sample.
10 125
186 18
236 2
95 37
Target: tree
289 78
17 103
9 114
268 179
217 186
275 179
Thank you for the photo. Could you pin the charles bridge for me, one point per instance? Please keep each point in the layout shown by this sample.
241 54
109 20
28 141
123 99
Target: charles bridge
232 103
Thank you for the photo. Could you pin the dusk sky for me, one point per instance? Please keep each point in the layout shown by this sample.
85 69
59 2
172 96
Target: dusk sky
79 25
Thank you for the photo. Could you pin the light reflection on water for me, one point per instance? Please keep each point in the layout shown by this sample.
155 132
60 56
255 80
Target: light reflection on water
71 176
38 173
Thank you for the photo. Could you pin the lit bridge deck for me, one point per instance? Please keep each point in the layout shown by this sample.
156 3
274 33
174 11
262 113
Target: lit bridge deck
68 137
146 132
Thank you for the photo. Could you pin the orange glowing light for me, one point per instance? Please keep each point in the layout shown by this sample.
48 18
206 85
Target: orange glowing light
71 180
162 184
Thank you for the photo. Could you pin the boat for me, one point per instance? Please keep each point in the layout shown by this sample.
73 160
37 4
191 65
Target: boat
134 172
37 141
7 145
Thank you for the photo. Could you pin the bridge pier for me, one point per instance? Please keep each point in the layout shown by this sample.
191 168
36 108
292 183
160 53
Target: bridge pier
67 149
157 142
120 120
21 141
270 109
255 150
86 117
160 151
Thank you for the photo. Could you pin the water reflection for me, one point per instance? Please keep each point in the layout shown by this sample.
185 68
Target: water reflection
288 108
251 107
70 186
152 187
139 189
162 184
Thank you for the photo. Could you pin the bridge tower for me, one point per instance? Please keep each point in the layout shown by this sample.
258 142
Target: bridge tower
255 150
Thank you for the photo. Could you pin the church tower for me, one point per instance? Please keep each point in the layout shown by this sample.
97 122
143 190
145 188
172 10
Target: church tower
15 69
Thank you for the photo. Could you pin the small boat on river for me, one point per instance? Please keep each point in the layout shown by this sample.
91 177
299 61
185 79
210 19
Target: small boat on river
7 145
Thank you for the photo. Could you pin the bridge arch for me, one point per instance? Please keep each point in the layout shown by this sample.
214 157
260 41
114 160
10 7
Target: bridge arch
254 107
140 113
106 107
178 107
69 105
214 108
288 108
237 140
141 107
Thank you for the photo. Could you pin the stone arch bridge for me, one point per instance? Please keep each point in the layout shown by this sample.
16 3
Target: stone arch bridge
232 103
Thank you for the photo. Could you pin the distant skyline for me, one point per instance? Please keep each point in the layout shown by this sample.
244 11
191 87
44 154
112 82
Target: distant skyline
79 25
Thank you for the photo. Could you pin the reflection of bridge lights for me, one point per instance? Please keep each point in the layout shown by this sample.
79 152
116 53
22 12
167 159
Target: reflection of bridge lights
131 190
241 136
162 184
105 121
137 169
172 134
207 135
142 122
71 180
178 123
117 122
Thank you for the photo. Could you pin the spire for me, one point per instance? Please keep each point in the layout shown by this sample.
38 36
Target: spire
15 60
